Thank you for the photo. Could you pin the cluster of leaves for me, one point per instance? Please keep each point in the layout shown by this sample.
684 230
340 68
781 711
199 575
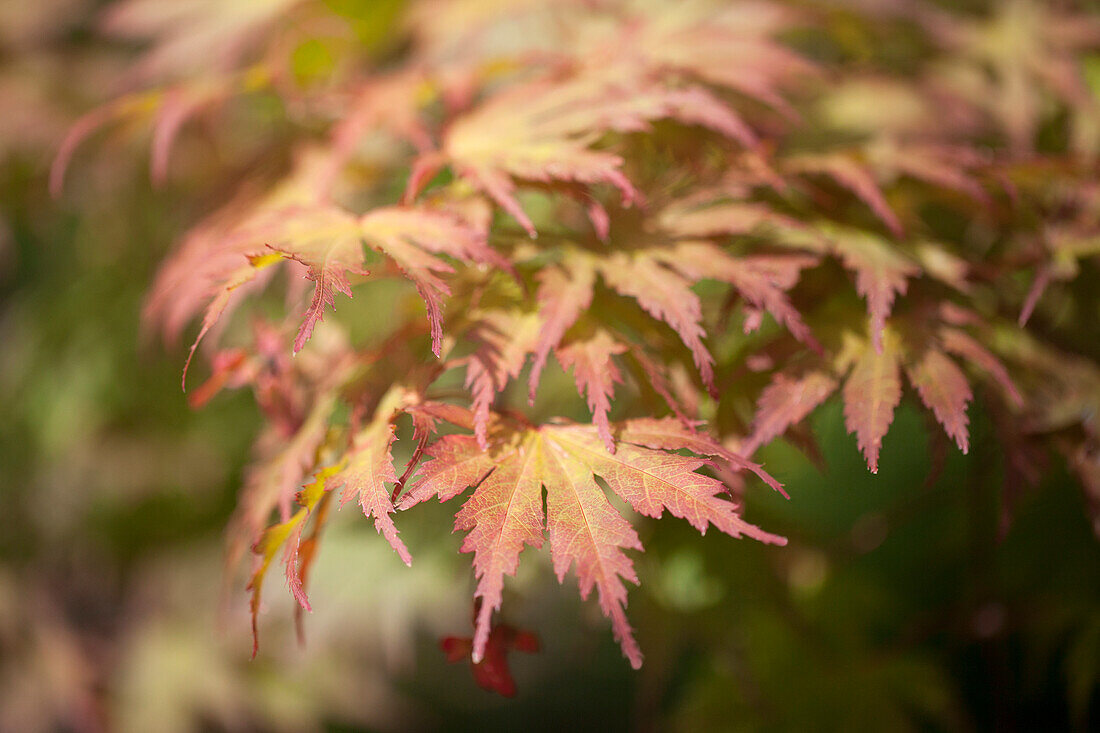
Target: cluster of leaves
614 182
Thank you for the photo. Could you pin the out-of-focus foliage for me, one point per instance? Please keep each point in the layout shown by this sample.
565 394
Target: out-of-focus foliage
952 147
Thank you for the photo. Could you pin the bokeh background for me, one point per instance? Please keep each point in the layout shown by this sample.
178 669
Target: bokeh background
918 599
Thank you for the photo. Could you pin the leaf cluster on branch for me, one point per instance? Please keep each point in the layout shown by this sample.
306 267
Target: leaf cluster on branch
703 210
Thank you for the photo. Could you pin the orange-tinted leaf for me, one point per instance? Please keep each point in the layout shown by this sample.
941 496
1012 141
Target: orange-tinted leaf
673 434
564 293
505 511
871 393
368 466
666 295
586 531
595 374
504 339
543 131
881 273
760 280
853 176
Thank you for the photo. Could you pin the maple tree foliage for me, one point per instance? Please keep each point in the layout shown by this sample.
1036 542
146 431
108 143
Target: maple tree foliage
613 191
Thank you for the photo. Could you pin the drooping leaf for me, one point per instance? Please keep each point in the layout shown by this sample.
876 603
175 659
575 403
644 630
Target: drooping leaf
328 241
760 280
871 393
944 390
564 294
881 273
670 434
853 176
596 375
543 131
785 402
666 295
504 339
961 344
505 512
367 467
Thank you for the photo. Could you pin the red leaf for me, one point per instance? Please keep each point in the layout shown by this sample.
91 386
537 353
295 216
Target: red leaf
492 672
853 176
959 343
785 402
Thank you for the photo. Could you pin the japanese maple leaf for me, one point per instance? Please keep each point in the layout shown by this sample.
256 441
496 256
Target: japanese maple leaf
850 174
191 37
564 293
786 401
544 130
596 375
667 296
944 390
503 338
328 242
367 467
882 272
492 672
729 45
1009 63
872 391
505 511
363 471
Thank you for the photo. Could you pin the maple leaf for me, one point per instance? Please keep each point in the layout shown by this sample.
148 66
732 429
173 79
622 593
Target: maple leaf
273 479
961 344
761 280
882 273
168 109
666 295
505 511
726 45
595 374
543 131
492 672
944 390
363 471
367 467
328 242
288 535
224 257
1009 63
193 36
412 236
564 294
785 402
871 393
503 338
853 176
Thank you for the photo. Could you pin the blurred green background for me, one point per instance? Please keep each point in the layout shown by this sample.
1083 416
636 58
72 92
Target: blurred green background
905 601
